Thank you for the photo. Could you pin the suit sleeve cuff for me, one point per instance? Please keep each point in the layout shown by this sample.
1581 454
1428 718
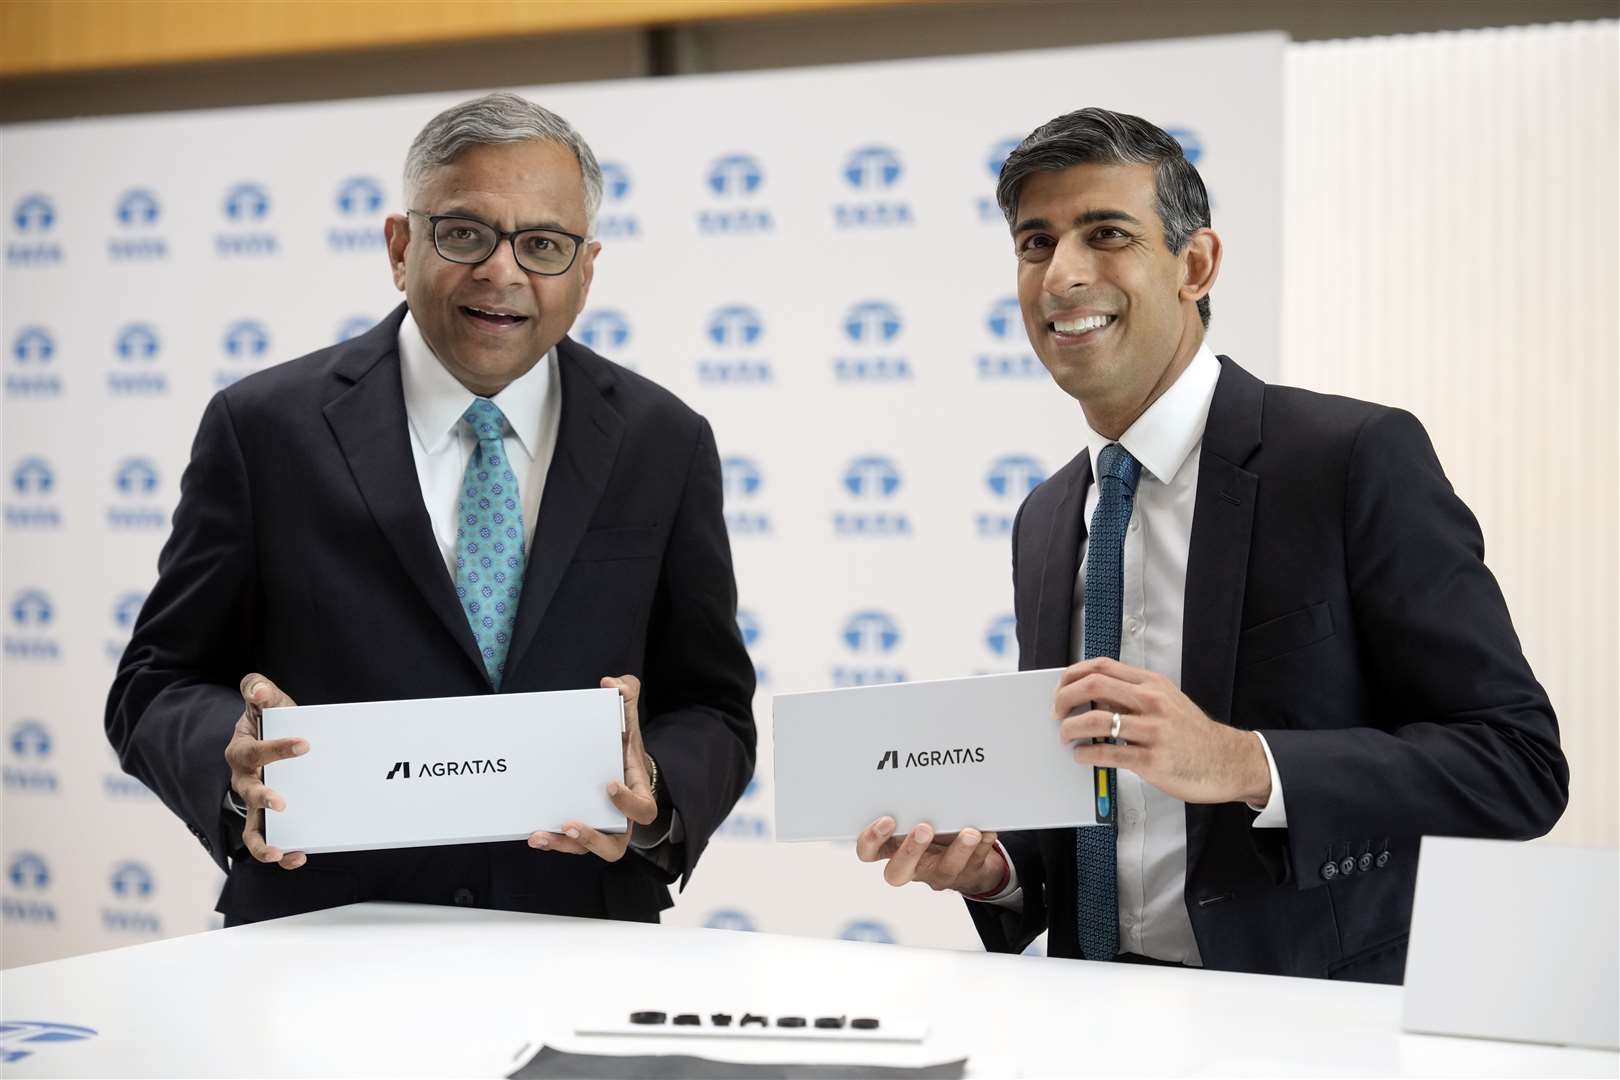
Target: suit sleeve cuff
1273 815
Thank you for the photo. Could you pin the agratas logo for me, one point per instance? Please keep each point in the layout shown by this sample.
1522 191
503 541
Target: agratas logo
402 769
919 759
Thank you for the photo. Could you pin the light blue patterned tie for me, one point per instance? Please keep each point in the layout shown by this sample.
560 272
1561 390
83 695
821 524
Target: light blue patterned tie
489 539
1094 845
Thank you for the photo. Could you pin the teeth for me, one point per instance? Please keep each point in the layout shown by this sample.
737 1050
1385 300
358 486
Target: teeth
486 311
1080 326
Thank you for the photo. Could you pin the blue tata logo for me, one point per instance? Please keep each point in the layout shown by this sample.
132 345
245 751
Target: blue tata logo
615 181
872 168
605 329
868 930
735 326
871 632
729 919
127 608
736 175
999 152
1005 319
751 790
354 326
359 196
33 476
748 626
1002 635
1014 476
137 341
29 871
137 206
247 201
245 339
872 477
131 881
136 476
740 477
17 1034
872 322
30 739
1192 147
33 214
32 607
33 345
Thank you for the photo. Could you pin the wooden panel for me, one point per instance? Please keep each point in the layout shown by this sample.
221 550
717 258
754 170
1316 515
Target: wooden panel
54 36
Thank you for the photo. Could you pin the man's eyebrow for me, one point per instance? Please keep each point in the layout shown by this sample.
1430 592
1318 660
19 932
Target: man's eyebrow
460 211
1090 217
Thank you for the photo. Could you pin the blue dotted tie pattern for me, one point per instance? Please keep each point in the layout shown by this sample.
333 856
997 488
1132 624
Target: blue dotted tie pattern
1095 845
489 540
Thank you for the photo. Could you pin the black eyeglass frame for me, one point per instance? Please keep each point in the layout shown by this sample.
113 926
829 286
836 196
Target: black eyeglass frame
510 237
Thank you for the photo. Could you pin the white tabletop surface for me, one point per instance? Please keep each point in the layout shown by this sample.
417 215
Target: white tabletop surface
405 990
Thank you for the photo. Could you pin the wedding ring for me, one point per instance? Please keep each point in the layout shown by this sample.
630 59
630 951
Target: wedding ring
1113 732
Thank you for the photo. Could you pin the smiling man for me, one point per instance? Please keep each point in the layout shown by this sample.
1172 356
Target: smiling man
1285 659
326 548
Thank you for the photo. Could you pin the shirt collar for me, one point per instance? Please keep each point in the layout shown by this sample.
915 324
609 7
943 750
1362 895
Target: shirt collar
435 400
1164 436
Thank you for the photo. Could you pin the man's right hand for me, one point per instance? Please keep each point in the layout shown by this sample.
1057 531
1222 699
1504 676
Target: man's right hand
967 862
247 755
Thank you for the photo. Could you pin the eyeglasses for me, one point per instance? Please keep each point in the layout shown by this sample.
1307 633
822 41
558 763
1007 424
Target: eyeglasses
465 240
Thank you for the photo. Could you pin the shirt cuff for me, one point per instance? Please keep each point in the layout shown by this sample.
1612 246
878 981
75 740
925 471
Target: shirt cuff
234 804
1011 895
1273 815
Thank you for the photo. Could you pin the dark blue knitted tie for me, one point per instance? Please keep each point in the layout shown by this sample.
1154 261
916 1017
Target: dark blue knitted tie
1094 845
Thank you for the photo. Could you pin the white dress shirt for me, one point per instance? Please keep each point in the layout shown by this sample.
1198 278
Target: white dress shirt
1152 842
442 442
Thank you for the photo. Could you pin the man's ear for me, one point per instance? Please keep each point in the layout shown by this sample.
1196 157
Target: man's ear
1200 265
397 231
587 270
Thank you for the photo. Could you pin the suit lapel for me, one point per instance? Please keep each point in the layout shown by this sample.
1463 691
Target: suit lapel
587 444
369 422
1054 612
1218 558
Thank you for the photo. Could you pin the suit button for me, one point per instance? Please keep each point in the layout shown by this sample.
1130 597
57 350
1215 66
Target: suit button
1364 863
1382 860
1330 870
1347 866
463 897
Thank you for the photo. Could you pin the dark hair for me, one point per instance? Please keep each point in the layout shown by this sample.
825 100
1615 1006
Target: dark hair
1098 137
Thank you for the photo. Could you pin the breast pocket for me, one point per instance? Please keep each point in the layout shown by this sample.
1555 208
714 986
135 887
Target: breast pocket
620 542
1285 634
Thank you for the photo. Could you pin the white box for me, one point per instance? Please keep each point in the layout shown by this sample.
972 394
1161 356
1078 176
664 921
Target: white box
980 751
429 771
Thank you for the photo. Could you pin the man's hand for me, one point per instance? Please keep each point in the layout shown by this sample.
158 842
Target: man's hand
634 797
1169 742
967 862
247 755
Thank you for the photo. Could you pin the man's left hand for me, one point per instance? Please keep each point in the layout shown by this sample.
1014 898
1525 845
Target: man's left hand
1167 740
634 797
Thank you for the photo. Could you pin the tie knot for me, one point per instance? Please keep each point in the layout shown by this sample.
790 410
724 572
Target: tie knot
1115 461
486 420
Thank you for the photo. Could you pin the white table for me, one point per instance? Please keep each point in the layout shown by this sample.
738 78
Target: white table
405 990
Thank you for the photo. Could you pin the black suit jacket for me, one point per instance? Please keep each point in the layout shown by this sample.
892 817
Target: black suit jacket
302 549
1337 601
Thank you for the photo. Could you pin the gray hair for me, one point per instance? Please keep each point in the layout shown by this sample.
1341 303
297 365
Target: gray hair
1099 137
492 120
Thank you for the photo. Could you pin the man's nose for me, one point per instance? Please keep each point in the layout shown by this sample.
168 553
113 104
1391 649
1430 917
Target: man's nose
1073 265
501 268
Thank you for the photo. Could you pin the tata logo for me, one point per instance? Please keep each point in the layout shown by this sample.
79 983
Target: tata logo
33 480
728 919
868 930
1014 476
246 206
1011 357
136 346
33 214
735 178
605 329
20 1038
1192 146
871 633
748 626
353 327
30 739
359 196
32 615
744 822
33 352
617 223
33 345
999 153
872 477
32 608
30 743
872 322
131 881
33 476
137 341
734 330
246 340
29 872
127 608
741 482
872 325
1001 637
615 181
995 158
872 171
247 202
137 207
135 477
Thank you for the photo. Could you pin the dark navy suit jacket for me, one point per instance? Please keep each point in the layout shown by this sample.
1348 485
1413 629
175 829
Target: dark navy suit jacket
1337 601
302 549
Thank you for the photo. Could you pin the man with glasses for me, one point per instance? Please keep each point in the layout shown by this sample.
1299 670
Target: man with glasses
460 501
